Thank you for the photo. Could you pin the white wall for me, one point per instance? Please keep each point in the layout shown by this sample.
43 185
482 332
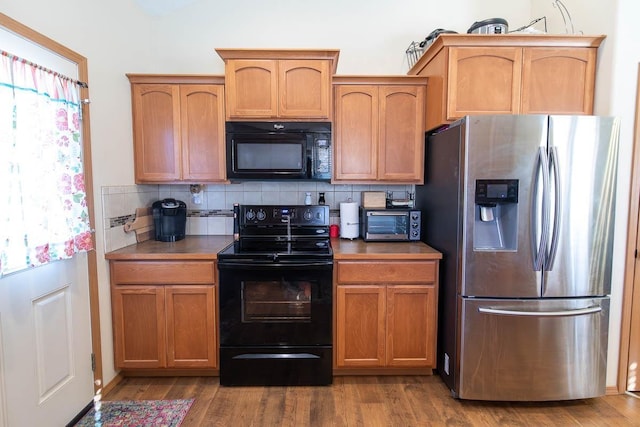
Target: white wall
121 37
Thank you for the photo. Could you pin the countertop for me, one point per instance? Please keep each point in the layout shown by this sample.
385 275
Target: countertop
191 247
207 248
344 249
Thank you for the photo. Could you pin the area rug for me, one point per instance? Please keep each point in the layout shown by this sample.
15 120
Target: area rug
137 413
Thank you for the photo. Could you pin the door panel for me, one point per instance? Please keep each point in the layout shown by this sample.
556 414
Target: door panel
46 343
356 133
484 80
501 147
557 348
191 326
360 337
587 158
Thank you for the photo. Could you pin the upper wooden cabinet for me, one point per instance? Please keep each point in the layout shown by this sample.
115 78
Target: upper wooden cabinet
379 129
178 128
278 84
507 74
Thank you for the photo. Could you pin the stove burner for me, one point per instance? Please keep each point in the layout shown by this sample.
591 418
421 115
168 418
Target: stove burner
280 233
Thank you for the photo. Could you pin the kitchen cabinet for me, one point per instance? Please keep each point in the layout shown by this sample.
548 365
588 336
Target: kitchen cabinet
507 74
278 84
164 314
178 128
386 313
379 129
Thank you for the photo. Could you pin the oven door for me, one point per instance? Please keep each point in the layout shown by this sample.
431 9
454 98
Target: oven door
266 304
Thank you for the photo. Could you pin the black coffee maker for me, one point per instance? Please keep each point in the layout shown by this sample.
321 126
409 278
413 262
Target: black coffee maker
170 219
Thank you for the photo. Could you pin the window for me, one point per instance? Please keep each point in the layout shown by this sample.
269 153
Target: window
43 208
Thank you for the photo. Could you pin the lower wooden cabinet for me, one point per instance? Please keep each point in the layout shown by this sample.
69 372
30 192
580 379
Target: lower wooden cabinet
164 314
386 314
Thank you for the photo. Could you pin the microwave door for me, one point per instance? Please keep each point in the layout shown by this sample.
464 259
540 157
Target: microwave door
283 157
272 156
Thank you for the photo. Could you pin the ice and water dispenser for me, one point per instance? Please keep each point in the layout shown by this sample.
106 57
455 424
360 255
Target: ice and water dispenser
496 215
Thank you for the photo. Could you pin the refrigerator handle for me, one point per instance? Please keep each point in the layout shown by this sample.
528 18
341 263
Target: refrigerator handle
541 169
557 209
563 313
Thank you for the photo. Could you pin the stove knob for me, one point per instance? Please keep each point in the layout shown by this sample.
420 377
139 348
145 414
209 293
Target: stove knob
308 215
261 215
250 215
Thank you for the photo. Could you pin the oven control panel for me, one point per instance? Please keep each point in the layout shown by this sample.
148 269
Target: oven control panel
300 215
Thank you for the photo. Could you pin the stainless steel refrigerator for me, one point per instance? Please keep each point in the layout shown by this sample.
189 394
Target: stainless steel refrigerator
522 208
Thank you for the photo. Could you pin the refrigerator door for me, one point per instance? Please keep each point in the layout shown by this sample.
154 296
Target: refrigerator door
503 147
583 153
518 350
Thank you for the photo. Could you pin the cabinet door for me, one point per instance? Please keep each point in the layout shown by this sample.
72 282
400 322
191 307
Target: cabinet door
138 326
191 327
402 134
251 88
202 126
411 329
484 80
304 88
546 90
156 132
360 330
356 133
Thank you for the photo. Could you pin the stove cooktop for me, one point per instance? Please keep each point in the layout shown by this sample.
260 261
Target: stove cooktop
279 233
281 252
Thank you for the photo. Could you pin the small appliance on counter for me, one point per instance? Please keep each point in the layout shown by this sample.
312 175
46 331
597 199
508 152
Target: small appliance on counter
349 221
170 219
390 225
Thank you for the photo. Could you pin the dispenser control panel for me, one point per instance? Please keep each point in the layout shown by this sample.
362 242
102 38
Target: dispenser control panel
492 191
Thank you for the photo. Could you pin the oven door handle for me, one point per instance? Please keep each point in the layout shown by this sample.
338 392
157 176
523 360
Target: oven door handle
276 356
270 265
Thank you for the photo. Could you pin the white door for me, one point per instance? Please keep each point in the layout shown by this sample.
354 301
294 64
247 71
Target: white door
46 376
46 344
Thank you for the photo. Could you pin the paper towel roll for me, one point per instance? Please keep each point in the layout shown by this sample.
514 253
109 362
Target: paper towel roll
349 220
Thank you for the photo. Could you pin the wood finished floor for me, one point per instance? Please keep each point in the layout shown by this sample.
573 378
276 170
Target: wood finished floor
367 401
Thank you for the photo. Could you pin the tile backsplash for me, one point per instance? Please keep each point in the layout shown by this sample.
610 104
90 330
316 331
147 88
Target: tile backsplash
213 215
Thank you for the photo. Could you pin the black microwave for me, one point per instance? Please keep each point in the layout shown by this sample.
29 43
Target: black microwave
389 225
278 151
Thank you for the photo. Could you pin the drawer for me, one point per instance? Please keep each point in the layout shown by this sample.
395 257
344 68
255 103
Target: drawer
387 272
162 272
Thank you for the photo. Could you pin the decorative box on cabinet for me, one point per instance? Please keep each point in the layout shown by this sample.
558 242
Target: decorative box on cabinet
278 84
178 128
507 74
164 314
386 314
379 129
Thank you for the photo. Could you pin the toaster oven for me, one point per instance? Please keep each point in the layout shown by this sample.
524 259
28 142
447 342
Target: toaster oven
389 225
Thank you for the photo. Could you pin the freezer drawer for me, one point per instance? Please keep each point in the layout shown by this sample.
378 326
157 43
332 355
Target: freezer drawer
516 350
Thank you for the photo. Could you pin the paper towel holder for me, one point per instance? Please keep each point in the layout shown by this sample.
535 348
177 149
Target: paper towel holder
349 219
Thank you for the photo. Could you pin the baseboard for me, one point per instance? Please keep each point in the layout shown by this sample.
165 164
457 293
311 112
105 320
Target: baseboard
81 414
611 390
112 384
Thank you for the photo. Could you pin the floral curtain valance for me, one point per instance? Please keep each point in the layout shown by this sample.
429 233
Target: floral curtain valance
43 214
